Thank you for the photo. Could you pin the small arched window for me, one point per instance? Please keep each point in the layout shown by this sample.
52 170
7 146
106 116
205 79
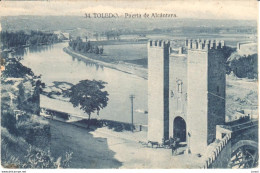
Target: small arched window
179 86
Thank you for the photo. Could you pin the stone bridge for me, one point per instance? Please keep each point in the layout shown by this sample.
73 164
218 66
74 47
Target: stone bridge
236 146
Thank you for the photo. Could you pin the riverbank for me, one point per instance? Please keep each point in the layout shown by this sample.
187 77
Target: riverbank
120 65
58 67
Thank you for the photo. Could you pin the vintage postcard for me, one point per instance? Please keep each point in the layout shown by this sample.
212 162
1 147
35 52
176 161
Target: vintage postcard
129 85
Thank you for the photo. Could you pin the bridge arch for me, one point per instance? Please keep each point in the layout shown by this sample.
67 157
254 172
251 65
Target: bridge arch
243 143
244 154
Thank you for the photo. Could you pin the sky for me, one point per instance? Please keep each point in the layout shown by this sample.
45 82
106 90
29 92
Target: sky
202 9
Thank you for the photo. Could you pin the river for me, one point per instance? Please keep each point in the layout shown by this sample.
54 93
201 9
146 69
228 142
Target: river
55 65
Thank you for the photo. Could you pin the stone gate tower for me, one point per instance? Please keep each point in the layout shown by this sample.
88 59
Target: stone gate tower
186 92
158 90
206 91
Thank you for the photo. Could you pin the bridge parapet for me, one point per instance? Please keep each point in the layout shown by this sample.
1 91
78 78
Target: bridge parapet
228 140
244 126
215 156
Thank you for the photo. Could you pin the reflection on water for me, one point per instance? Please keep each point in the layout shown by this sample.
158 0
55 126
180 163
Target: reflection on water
88 63
19 52
43 48
55 65
32 49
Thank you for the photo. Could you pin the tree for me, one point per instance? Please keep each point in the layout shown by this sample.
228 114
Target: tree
96 50
16 69
107 35
118 36
101 50
88 95
96 36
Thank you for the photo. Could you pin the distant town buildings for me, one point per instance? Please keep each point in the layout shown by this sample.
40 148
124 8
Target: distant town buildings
62 35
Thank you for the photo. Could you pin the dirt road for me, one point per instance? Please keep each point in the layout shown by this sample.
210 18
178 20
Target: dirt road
105 148
88 152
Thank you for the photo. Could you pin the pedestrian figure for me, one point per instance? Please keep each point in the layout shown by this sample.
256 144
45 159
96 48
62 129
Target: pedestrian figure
52 116
163 141
173 147
177 142
171 140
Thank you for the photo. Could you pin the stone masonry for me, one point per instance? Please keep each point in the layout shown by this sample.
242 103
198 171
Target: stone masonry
186 91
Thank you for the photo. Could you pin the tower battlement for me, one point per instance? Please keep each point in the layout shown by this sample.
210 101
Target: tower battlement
202 44
159 43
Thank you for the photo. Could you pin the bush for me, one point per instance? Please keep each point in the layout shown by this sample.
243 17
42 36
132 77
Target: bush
17 153
119 128
36 131
243 66
9 122
15 69
92 122
62 115
41 159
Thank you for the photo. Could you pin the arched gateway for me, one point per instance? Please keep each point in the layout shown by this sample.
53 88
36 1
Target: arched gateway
179 129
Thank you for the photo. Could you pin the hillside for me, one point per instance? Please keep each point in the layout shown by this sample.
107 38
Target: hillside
243 63
66 23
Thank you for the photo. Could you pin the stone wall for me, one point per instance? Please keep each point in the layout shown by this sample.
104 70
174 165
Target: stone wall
218 154
177 89
206 91
216 91
197 100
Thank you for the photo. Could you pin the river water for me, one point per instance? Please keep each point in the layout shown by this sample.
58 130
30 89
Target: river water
56 65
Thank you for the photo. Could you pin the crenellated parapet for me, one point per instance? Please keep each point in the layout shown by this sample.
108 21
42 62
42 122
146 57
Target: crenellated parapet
215 151
202 44
158 43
